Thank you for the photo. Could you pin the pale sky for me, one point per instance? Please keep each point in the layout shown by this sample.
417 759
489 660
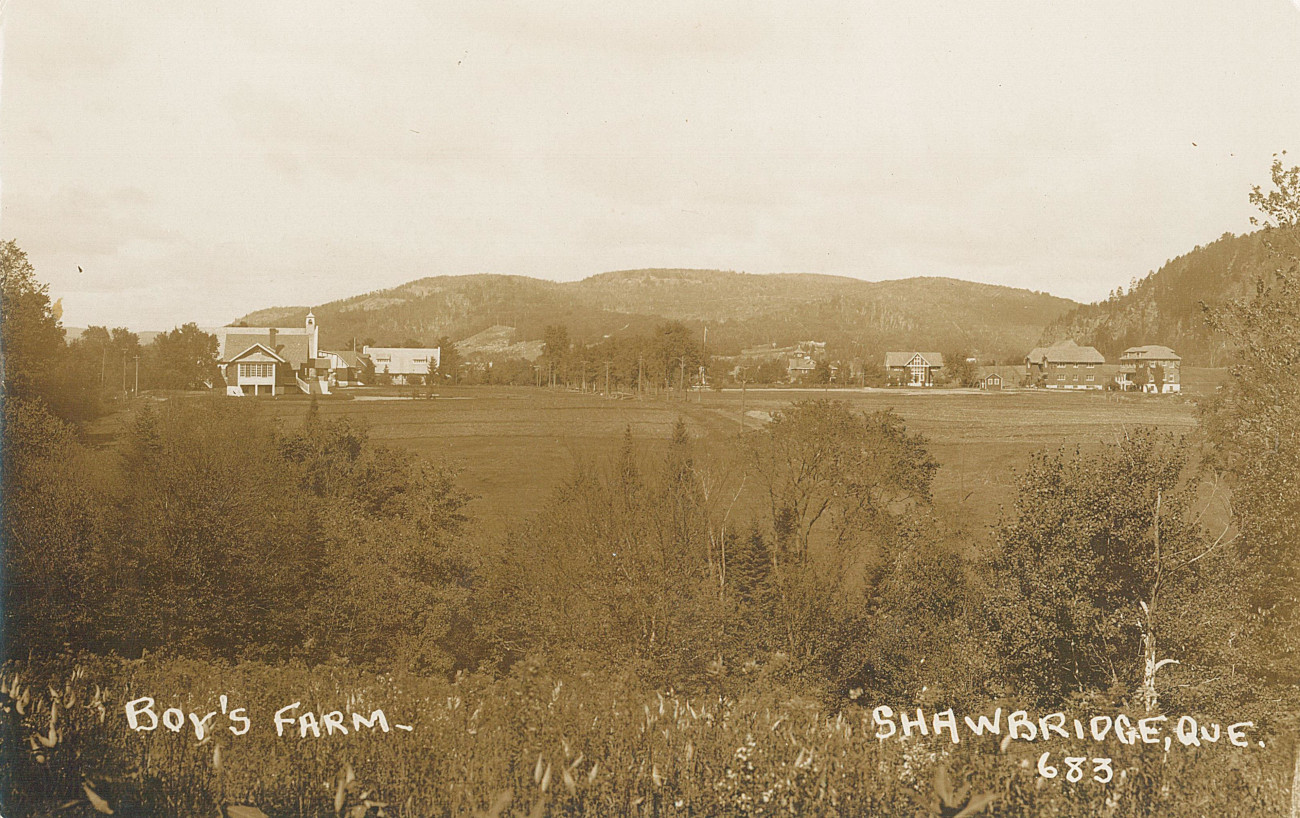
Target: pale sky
203 160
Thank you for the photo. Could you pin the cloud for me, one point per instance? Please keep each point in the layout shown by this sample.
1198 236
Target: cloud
229 156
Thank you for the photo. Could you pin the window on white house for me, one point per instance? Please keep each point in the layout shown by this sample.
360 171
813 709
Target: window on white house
256 370
1061 377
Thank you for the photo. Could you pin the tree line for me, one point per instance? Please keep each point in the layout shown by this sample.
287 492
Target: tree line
84 377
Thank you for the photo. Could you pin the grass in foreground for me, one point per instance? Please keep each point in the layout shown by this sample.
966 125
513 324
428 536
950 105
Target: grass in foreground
538 743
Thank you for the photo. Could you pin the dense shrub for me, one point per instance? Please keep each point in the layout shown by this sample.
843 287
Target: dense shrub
209 532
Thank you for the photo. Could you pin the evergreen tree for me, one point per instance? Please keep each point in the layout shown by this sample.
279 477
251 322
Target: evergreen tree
449 361
749 564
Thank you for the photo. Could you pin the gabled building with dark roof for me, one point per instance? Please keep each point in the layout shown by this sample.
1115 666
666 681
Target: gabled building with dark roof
912 368
1065 365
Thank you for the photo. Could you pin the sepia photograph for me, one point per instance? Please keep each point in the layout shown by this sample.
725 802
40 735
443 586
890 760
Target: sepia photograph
511 409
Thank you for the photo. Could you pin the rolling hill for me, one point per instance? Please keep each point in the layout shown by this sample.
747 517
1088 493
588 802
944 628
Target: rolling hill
739 309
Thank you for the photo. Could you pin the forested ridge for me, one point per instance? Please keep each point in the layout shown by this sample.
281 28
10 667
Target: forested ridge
1168 306
741 310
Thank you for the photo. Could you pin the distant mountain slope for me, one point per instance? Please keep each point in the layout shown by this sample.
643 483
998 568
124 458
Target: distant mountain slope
739 309
497 343
1165 307
146 336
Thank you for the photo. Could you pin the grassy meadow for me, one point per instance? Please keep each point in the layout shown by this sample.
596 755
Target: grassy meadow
513 445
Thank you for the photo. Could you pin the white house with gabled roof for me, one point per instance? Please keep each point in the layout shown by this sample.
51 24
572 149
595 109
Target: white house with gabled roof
272 360
913 368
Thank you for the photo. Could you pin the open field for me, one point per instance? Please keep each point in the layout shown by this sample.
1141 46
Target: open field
512 445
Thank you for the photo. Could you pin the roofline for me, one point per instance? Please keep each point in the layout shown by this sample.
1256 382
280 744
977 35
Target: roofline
263 330
262 347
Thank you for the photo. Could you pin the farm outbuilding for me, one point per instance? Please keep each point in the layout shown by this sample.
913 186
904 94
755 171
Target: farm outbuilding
997 378
403 365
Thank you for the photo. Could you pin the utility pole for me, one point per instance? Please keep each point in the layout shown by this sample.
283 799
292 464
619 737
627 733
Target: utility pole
704 362
640 357
137 375
124 371
744 381
681 379
607 379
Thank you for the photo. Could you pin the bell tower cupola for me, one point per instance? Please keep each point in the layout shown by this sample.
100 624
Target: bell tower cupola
313 337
